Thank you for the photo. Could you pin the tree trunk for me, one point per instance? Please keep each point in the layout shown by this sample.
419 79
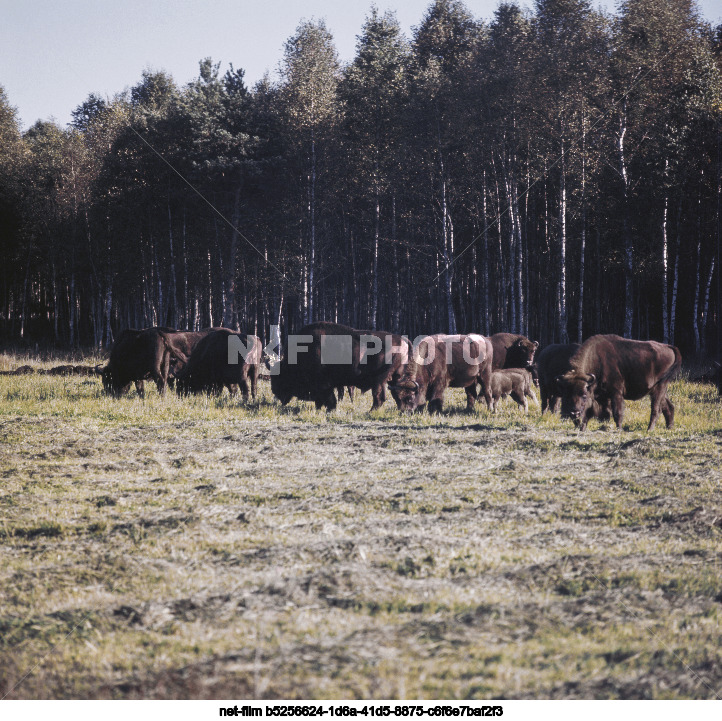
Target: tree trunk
665 265
312 217
173 319
485 260
583 243
562 299
628 246
705 308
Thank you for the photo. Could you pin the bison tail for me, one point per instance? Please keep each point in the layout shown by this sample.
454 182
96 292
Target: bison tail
674 369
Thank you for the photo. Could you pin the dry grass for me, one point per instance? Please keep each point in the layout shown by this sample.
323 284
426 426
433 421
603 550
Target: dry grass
207 549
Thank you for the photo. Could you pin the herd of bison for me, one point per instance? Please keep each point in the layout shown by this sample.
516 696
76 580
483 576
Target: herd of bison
588 380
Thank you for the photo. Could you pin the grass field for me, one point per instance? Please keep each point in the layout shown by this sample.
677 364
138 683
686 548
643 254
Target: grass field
204 548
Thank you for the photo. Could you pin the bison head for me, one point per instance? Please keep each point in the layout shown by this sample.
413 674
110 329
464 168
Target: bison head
577 392
107 378
521 354
407 394
283 383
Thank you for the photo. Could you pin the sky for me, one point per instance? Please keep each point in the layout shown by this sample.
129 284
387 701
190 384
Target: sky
54 53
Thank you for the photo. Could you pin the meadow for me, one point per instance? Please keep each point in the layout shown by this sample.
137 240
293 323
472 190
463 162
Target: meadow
208 548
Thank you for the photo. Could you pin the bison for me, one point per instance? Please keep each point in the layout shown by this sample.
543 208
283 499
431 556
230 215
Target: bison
513 351
552 362
718 376
439 362
515 382
333 355
147 354
137 355
610 369
211 365
21 371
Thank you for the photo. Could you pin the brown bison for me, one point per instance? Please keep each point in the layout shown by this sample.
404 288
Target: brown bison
513 351
610 369
137 355
717 377
222 358
148 354
324 356
514 382
552 362
21 371
439 362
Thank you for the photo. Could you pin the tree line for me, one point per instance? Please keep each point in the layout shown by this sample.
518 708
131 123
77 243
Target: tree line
554 172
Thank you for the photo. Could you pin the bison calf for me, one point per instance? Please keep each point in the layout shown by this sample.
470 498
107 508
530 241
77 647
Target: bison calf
511 382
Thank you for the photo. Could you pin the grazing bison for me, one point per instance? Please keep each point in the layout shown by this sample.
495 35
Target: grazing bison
211 367
514 382
21 371
441 361
148 354
552 362
138 355
336 355
610 369
513 351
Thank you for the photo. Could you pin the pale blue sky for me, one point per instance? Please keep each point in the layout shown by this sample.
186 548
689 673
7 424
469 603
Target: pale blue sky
54 53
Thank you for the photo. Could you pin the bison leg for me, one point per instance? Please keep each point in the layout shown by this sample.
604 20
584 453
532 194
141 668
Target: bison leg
327 399
436 405
350 393
668 411
139 387
254 382
243 385
436 399
470 396
545 397
379 395
520 398
485 383
660 402
618 409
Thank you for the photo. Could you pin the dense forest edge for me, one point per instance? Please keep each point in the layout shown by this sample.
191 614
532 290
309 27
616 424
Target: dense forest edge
554 172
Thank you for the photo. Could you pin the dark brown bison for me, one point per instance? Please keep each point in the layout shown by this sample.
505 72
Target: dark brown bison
552 362
149 354
222 358
323 356
514 382
718 376
21 371
137 355
513 351
440 362
64 370
610 369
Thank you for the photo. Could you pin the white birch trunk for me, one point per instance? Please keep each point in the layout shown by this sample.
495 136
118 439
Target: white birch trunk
562 299
628 247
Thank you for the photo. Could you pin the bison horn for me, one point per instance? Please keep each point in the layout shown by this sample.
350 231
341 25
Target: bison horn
716 364
536 343
591 378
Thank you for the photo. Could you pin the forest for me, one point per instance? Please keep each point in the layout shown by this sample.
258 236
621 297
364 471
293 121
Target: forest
555 172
